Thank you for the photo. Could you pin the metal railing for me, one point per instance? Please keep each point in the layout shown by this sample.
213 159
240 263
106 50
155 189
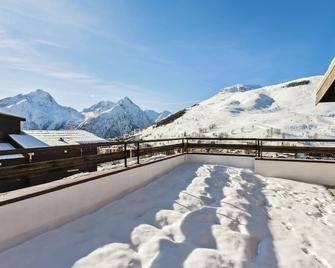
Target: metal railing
38 165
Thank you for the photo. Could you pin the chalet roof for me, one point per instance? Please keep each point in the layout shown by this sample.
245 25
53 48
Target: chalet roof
11 116
326 90
64 137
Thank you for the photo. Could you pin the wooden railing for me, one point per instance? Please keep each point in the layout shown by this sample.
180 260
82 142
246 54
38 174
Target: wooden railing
39 165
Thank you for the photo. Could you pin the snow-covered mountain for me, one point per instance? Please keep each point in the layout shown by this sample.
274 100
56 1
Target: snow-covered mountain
282 110
41 111
156 116
123 117
105 119
99 107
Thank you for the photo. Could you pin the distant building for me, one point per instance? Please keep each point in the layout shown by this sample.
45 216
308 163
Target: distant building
12 137
326 90
9 124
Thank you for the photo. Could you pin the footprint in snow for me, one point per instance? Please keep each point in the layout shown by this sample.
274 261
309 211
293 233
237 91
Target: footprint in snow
288 226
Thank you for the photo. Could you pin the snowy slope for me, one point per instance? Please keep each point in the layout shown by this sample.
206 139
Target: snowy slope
120 119
282 110
41 111
156 116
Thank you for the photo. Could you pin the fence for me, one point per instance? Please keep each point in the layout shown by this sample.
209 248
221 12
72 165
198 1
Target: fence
25 167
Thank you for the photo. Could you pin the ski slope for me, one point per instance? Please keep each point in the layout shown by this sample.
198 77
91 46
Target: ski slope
282 110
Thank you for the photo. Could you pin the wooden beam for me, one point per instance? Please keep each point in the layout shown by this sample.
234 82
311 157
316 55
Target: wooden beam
326 90
223 146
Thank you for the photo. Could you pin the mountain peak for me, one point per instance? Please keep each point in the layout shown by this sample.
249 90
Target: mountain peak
41 111
156 116
240 88
39 95
39 92
99 107
126 99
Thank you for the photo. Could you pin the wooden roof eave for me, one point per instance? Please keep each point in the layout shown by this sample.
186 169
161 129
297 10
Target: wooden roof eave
11 116
325 84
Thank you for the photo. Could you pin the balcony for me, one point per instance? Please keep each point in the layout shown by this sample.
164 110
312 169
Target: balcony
205 203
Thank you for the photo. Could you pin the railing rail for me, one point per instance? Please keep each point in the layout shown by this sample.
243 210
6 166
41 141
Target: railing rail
71 159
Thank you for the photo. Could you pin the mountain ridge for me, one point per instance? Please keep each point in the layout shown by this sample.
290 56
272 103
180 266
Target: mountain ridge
42 111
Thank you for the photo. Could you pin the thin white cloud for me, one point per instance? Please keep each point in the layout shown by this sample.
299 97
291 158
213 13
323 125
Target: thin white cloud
50 11
49 43
21 57
24 59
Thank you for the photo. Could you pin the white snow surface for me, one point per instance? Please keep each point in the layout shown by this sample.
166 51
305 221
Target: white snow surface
6 146
251 111
197 215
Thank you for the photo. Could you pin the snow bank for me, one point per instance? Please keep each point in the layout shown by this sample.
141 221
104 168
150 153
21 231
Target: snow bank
197 215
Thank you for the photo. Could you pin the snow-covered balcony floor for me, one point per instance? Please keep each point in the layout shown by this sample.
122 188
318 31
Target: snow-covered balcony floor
197 215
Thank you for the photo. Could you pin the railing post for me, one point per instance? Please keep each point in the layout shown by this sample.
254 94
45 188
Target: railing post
138 152
182 145
186 146
125 154
258 148
30 157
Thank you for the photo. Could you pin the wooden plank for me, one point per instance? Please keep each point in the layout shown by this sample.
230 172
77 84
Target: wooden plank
222 146
159 149
297 149
223 139
38 168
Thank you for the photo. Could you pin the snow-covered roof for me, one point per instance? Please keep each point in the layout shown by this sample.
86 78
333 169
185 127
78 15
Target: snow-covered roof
27 141
7 146
64 137
11 116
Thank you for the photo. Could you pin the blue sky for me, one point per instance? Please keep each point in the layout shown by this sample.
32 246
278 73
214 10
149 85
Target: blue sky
162 54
